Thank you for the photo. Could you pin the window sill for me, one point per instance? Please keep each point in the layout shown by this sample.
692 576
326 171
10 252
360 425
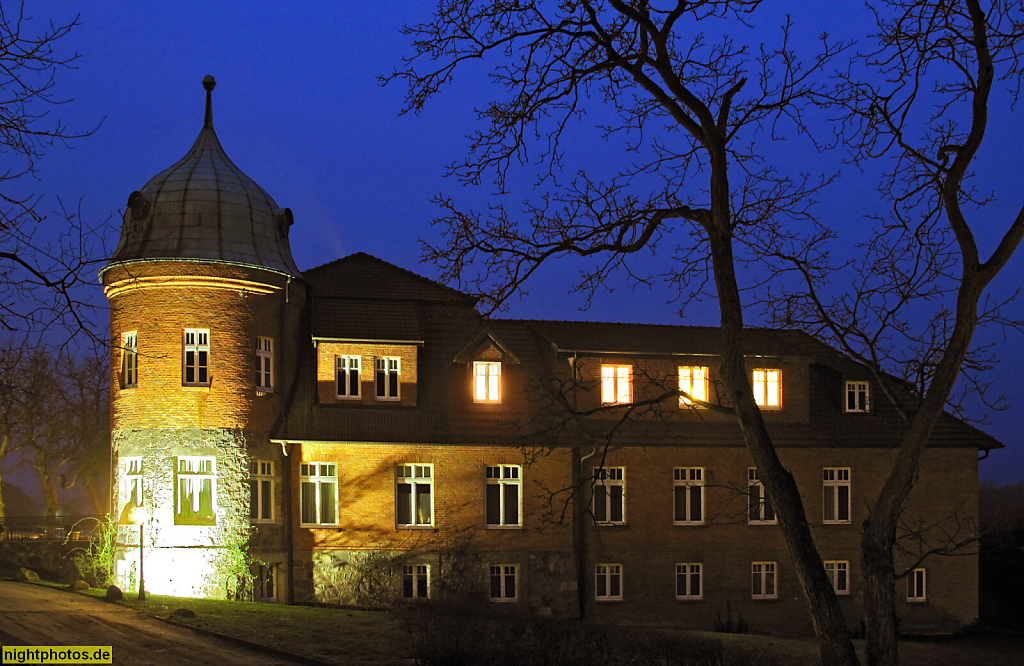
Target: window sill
262 521
415 527
690 599
264 391
762 522
688 523
129 389
837 522
504 527
201 388
609 524
504 601
764 598
319 526
603 600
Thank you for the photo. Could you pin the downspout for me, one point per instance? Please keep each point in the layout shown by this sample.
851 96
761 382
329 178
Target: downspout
290 550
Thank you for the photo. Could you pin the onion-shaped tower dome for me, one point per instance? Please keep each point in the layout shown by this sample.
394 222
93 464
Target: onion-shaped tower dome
204 208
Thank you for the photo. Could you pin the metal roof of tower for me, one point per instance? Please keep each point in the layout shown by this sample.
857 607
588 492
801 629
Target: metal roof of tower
204 208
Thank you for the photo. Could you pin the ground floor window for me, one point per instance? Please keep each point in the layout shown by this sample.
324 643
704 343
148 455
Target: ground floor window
416 581
608 582
916 585
839 573
504 582
688 581
267 582
763 582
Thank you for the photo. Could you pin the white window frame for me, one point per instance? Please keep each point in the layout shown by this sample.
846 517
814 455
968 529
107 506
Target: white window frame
687 483
322 477
387 377
605 480
765 508
130 360
834 481
767 384
606 577
764 580
191 474
500 577
616 384
917 586
838 571
131 482
418 578
414 476
486 381
264 364
349 366
693 379
505 479
685 574
261 491
857 396
196 341
266 580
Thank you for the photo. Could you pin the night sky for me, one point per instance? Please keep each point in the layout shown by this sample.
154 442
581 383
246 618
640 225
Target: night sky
298 108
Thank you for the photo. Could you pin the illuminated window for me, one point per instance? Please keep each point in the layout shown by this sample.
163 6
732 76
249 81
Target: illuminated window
416 581
916 586
267 582
387 379
130 474
197 490
414 498
616 384
197 357
261 487
504 582
503 499
610 495
839 573
130 360
694 382
264 364
768 388
608 582
857 396
318 493
836 483
689 584
487 381
763 583
347 376
688 495
760 510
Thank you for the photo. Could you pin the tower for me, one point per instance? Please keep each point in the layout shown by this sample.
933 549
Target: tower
205 303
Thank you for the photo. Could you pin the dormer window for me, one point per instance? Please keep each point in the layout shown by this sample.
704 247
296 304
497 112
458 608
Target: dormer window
693 381
857 396
387 377
616 384
768 387
347 376
487 381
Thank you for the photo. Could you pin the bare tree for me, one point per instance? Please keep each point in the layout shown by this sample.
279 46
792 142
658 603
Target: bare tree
939 68
41 274
690 111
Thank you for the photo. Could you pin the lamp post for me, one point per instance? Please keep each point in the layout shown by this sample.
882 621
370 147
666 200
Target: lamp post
133 514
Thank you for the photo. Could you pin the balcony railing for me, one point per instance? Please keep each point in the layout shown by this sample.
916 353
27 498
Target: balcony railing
57 528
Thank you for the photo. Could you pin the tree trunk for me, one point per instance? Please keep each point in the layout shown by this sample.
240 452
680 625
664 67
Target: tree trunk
882 647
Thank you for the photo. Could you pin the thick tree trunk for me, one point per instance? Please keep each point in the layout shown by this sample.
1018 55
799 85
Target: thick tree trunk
882 648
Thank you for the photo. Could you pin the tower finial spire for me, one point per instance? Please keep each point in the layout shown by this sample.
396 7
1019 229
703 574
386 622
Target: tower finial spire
209 83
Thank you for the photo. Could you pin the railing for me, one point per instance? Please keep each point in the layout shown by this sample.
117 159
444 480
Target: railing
44 528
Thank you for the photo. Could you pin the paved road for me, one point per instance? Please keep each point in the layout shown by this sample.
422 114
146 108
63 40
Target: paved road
32 615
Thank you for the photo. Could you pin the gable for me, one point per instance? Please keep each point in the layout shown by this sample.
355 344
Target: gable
364 276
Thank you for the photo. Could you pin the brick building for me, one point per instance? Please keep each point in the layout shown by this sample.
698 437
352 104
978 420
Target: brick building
370 435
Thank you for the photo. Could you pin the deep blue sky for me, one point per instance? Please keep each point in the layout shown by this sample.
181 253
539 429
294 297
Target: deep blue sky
298 108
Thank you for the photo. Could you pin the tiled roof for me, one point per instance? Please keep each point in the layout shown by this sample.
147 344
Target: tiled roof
359 319
361 275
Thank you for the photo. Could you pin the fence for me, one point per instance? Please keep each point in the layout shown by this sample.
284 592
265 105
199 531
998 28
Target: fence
47 528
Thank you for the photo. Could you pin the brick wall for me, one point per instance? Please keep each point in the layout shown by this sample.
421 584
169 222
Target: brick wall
327 391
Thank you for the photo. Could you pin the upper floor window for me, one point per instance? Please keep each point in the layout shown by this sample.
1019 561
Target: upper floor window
836 482
610 495
486 381
130 473
318 493
763 581
504 583
416 581
347 376
130 360
264 364
768 387
197 357
693 381
414 495
616 384
760 510
839 573
916 585
503 497
857 396
261 491
688 491
688 581
608 582
387 377
197 490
